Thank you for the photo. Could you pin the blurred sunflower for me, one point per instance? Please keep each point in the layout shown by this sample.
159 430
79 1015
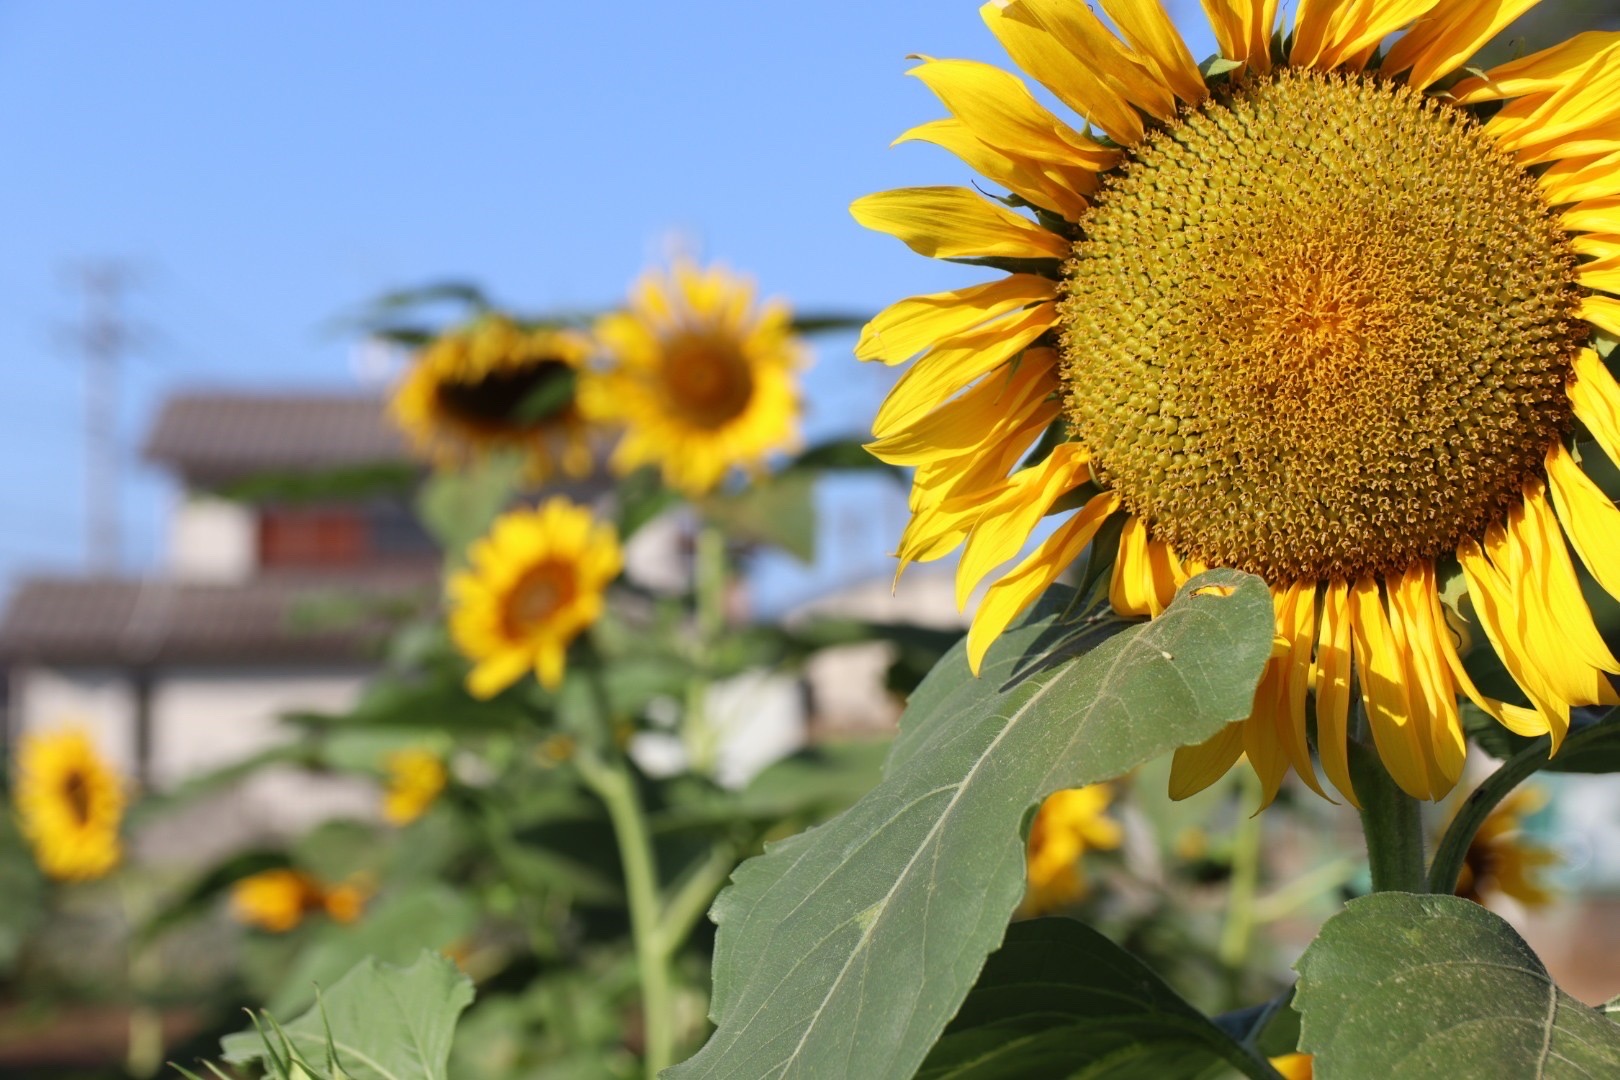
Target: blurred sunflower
1327 315
276 900
702 377
495 385
1068 824
1500 860
69 805
413 779
531 586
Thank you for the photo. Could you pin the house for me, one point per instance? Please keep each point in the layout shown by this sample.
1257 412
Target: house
285 503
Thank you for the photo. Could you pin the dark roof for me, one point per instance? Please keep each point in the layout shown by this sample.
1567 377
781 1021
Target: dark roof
268 620
233 434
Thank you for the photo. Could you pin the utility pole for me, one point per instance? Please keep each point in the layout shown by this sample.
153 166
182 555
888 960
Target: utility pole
101 340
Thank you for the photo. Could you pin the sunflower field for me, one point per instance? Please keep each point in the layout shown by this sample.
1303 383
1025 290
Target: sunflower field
1269 443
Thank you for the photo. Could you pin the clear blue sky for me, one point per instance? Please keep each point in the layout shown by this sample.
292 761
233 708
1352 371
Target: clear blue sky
266 166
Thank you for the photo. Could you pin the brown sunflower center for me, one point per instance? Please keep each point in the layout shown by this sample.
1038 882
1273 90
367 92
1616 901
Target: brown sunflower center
1319 329
513 399
707 380
540 593
76 795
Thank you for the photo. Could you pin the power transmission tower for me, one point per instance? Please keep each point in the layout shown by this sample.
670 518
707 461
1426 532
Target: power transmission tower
101 339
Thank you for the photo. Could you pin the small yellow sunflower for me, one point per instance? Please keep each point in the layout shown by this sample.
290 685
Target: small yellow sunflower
1068 824
1331 315
276 900
702 378
345 903
531 586
495 385
69 805
1501 860
414 778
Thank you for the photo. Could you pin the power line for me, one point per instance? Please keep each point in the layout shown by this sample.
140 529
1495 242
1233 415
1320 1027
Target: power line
101 338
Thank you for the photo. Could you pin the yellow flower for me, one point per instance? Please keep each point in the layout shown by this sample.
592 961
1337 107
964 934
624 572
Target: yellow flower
1499 860
276 900
69 805
1312 318
702 378
1068 824
532 585
494 385
1294 1066
415 777
347 902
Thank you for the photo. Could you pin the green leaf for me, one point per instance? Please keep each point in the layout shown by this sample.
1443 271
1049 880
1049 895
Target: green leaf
780 511
393 929
381 1022
841 454
858 939
1060 999
350 483
1435 986
1218 65
458 507
828 322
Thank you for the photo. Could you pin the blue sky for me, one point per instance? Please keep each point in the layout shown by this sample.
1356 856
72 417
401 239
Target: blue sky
265 167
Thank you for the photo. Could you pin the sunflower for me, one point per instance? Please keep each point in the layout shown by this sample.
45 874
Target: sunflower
69 805
494 385
276 900
532 585
1499 860
1068 824
1320 312
414 778
702 377
1294 1066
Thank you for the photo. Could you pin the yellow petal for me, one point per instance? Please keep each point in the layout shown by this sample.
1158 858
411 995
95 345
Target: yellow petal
1127 588
1194 768
1444 39
1596 400
1606 278
1333 688
956 363
1243 30
1542 72
1019 588
1554 593
1069 77
1296 621
497 673
1593 215
1150 32
1429 687
1267 755
953 223
1576 179
1059 189
904 329
1497 613
1007 518
1077 28
1162 575
1602 312
1332 34
1384 692
990 410
1590 519
998 110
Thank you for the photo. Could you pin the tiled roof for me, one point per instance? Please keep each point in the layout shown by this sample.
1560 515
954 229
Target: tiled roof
229 434
272 619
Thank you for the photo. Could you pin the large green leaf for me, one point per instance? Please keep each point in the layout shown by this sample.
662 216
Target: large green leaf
378 1022
458 507
779 510
1060 999
856 941
1415 987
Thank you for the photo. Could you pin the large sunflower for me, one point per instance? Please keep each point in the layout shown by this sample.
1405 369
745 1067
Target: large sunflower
69 804
495 385
702 377
532 585
1317 311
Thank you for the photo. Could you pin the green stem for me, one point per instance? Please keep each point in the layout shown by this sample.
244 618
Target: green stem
143 1053
1391 821
690 897
709 583
613 784
1239 927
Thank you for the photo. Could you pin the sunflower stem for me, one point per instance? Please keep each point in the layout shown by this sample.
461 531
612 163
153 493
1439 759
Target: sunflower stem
1391 821
613 783
709 583
1246 846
